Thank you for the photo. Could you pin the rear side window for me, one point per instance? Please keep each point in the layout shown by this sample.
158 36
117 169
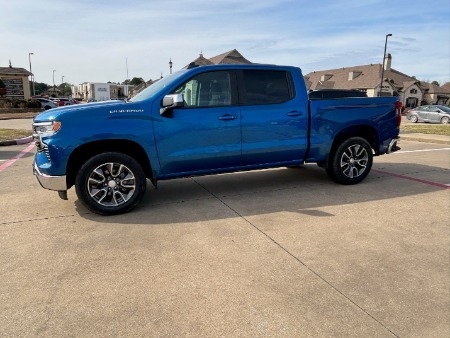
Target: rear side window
266 87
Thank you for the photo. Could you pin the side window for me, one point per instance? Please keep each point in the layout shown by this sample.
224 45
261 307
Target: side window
267 87
210 89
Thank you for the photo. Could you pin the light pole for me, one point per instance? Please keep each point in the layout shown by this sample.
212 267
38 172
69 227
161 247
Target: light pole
62 79
54 82
170 65
382 64
32 76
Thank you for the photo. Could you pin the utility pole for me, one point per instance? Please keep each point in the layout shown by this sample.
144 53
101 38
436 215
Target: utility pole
32 76
54 87
126 81
382 64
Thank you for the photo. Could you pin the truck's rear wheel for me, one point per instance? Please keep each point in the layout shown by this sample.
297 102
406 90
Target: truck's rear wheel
110 183
351 162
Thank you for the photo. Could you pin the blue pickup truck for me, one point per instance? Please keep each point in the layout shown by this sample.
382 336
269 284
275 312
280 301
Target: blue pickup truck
206 120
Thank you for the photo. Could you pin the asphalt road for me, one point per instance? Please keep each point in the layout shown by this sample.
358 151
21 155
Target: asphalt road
271 253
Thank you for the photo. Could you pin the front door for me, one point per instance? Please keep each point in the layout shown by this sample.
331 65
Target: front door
204 135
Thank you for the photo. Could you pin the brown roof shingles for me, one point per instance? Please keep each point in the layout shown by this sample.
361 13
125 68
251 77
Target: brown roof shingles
14 71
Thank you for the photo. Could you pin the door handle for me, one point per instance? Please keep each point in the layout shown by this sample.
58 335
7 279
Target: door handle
294 113
227 117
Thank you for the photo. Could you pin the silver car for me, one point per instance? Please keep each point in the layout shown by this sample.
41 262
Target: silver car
46 104
430 113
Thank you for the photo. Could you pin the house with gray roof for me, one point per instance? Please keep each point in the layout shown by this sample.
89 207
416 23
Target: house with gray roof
231 57
410 91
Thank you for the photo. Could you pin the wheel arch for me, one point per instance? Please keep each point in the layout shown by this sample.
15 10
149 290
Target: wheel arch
366 132
86 151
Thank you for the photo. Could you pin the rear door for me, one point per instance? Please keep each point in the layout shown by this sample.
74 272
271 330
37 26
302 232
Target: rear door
434 114
424 113
274 126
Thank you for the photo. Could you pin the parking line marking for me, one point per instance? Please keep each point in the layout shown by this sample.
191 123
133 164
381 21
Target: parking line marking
15 158
445 186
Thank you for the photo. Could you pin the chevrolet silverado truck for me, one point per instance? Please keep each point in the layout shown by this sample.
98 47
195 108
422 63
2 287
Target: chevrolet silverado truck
206 120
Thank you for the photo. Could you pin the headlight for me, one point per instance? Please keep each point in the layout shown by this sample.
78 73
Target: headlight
45 128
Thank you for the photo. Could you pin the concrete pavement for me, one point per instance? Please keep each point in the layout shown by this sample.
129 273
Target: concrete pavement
270 253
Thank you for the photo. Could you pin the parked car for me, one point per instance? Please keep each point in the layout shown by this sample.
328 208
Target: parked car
63 101
45 103
429 113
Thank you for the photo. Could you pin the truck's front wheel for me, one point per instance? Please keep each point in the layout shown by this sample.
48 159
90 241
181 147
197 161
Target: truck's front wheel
110 183
351 162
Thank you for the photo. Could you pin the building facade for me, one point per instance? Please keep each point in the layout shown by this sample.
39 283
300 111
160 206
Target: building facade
100 91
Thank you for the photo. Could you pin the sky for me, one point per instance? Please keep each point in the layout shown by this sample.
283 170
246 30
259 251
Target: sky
112 40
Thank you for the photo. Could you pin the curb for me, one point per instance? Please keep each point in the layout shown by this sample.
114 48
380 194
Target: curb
23 140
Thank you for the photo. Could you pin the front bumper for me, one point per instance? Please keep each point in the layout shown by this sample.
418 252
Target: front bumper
57 183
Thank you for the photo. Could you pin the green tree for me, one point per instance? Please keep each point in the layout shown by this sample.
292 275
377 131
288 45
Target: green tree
435 83
137 81
65 89
39 87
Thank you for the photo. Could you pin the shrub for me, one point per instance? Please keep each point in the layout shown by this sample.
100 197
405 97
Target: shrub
33 104
15 103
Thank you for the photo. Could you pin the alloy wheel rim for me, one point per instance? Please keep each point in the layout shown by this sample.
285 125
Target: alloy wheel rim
354 161
111 184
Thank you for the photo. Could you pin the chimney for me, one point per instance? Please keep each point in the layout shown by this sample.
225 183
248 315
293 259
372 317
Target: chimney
387 61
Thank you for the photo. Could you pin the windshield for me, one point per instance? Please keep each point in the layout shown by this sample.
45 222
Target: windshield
157 86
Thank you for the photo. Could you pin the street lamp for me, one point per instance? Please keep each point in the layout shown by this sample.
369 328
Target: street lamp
62 79
382 64
54 82
170 65
32 76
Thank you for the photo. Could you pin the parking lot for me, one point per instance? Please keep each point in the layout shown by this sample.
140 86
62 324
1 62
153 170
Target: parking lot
270 253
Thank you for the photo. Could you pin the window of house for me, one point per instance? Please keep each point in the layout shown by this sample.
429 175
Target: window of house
212 89
266 87
413 91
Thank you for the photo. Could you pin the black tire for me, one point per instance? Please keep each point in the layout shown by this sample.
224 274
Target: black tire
351 162
47 107
110 183
413 118
445 120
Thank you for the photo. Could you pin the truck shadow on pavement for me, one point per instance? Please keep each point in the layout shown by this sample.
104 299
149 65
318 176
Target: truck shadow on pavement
300 190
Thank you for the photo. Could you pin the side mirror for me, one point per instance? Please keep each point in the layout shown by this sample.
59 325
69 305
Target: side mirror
170 102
